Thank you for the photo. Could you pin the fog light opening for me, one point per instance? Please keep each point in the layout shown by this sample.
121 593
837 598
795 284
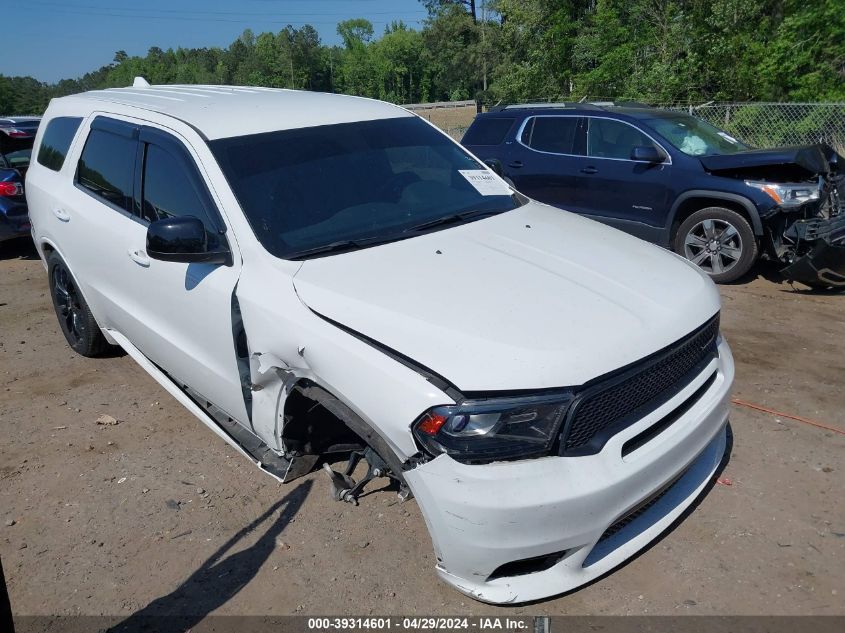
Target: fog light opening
528 565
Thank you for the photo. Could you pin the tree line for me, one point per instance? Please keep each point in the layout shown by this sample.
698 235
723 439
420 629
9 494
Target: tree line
656 51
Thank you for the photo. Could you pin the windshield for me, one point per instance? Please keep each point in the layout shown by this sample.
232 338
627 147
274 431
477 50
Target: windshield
695 137
323 188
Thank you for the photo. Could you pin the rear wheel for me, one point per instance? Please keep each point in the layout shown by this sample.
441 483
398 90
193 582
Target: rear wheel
75 319
719 241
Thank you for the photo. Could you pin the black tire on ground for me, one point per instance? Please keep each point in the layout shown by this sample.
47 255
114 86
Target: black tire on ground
75 319
720 241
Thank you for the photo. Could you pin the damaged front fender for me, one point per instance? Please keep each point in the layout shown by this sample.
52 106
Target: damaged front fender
272 382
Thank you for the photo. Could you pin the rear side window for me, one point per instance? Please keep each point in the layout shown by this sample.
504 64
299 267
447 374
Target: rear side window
56 141
554 134
487 131
107 167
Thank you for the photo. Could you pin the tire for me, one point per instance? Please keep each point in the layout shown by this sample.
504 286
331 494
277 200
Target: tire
75 319
720 241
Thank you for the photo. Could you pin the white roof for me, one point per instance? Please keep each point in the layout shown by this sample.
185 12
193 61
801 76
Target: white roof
224 111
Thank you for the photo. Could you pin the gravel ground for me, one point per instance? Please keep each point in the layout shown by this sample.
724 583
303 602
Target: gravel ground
155 515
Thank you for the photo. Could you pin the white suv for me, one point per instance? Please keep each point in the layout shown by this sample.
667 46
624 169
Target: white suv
313 275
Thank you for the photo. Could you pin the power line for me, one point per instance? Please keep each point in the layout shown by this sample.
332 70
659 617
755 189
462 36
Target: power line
225 21
221 20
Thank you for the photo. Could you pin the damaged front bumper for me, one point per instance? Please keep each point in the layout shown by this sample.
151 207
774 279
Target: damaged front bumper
525 530
822 264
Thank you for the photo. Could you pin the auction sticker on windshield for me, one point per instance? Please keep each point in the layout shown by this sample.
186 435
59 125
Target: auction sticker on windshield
485 183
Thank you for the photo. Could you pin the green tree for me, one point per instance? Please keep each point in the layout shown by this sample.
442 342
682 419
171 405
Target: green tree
435 6
806 59
519 50
536 47
397 61
451 41
356 65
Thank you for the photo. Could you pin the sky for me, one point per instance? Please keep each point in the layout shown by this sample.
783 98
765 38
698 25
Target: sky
58 39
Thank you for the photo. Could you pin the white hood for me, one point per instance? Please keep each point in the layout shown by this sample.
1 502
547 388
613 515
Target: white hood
533 298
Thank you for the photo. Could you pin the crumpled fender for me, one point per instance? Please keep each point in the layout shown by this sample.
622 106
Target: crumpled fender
288 343
272 382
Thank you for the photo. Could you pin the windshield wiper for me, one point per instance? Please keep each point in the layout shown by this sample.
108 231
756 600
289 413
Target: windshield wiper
339 247
455 218
351 245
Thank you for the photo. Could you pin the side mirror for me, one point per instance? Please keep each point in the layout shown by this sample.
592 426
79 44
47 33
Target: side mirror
646 154
496 165
182 239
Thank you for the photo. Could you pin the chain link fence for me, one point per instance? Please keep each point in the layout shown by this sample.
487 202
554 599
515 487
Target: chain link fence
777 124
757 124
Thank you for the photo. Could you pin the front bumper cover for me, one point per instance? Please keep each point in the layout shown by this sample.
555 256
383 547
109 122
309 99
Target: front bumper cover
824 263
482 517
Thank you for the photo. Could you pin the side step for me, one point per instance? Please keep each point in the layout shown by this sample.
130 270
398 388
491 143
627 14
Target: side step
276 465
239 438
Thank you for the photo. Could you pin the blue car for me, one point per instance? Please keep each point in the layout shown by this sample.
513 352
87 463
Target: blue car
675 180
16 137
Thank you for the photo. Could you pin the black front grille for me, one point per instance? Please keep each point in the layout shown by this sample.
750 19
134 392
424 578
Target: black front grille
609 404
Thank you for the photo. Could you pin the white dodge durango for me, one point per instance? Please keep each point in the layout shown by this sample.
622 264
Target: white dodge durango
319 276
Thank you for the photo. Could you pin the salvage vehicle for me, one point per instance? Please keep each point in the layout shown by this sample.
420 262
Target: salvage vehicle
315 276
677 181
16 137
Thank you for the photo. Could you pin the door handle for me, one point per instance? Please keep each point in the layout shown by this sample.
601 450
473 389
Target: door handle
63 215
139 257
516 164
589 170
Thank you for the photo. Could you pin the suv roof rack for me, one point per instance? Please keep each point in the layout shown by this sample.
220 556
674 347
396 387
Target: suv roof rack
541 105
584 105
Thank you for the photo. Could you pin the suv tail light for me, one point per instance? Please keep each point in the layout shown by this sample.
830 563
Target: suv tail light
8 189
16 133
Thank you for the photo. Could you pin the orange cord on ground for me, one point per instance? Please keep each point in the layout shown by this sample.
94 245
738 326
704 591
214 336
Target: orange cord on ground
786 415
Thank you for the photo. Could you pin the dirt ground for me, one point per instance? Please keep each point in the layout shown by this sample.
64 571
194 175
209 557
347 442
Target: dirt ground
155 515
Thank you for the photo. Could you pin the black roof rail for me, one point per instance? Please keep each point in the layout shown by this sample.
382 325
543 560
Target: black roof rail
631 104
542 105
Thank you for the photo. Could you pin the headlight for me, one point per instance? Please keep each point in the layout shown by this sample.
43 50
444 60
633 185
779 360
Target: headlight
493 429
788 195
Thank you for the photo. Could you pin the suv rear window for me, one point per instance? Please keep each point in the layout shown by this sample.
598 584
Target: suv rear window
56 141
488 131
107 167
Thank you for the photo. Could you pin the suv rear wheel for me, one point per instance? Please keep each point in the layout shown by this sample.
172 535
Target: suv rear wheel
75 318
719 241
